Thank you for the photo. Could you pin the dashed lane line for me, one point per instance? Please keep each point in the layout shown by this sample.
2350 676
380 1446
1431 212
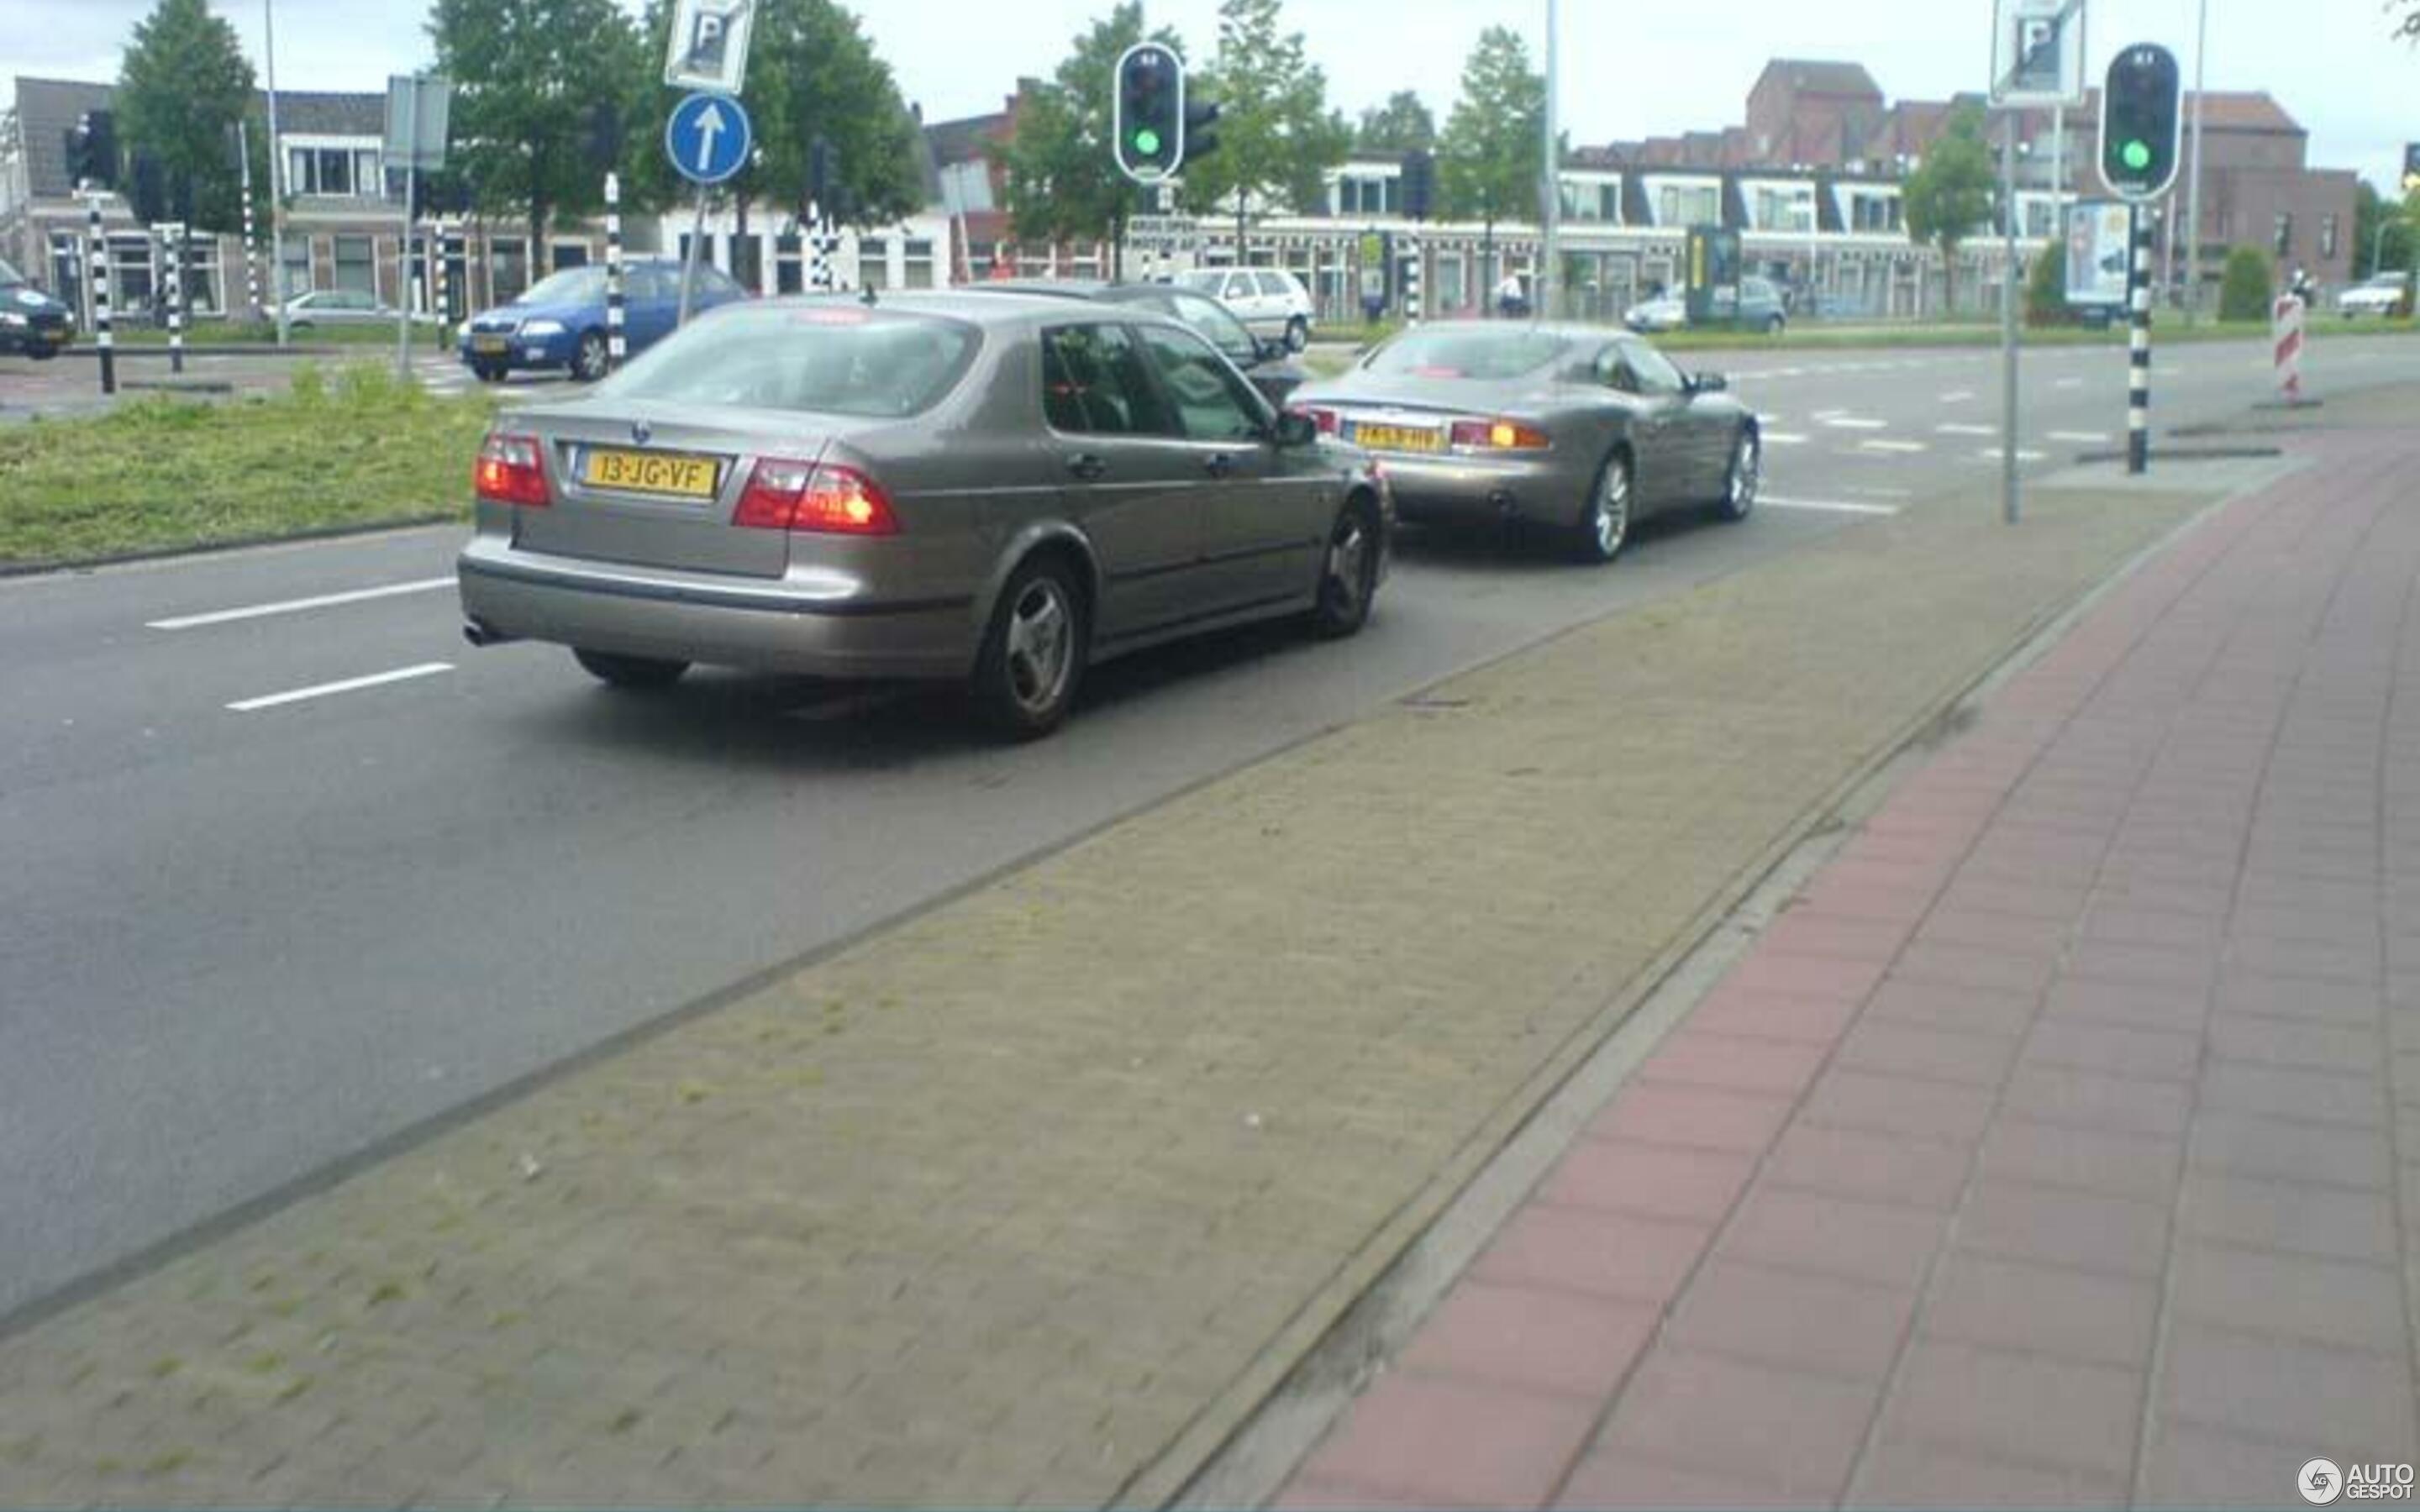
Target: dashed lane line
350 685
296 605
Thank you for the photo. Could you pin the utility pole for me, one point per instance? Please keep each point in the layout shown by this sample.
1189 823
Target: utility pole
2009 508
2193 187
1550 255
276 175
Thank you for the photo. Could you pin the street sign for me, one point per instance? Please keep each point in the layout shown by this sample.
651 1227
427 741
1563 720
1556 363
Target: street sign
2099 250
708 47
1164 233
709 137
417 108
2038 53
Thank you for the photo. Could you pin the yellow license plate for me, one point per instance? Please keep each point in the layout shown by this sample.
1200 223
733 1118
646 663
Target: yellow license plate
490 344
684 477
1397 438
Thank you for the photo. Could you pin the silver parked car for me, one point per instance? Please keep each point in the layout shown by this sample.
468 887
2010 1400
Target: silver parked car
998 489
1569 426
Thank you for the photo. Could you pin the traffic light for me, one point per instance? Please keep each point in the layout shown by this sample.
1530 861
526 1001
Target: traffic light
1419 184
604 135
1149 112
2411 167
92 150
2141 123
149 194
827 189
1201 130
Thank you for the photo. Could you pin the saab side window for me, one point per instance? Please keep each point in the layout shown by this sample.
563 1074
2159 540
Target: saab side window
1650 374
1094 384
1211 406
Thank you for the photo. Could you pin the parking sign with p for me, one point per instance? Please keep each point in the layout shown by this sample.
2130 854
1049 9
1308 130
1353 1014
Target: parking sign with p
708 47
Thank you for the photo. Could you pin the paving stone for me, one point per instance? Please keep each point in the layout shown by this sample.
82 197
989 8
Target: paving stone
1598 1254
1735 1063
2286 1392
2293 1216
2025 1408
2139 1167
1794 1432
1845 1099
2349 1303
2059 1226
1877 1167
1814 1323
1887 1047
1901 1473
2291 1149
2092 1100
1691 1118
1651 1180
2049 1309
1541 1340
1885 1245
1455 1443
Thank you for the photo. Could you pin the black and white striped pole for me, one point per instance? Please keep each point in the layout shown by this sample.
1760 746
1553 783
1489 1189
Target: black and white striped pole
2138 393
1412 308
97 263
616 336
250 249
174 236
444 287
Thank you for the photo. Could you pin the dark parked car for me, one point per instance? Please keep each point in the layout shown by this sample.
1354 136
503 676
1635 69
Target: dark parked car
31 321
992 488
1758 305
560 323
1569 426
1269 361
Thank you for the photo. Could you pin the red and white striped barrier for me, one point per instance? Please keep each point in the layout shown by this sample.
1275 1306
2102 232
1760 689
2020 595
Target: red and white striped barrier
2285 329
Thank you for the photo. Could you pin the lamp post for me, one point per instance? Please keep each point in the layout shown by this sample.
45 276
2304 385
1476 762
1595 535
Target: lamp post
277 174
2193 189
1551 203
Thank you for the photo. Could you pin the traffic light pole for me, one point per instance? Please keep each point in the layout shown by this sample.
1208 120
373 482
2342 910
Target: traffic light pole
403 242
2138 396
97 266
2009 484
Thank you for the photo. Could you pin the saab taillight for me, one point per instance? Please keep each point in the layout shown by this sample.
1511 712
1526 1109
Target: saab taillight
511 471
788 495
1324 419
1498 435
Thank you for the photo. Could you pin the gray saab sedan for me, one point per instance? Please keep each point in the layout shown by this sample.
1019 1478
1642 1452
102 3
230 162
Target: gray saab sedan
1570 426
980 486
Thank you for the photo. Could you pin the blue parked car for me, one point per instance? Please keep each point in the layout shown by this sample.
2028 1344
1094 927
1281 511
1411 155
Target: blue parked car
560 323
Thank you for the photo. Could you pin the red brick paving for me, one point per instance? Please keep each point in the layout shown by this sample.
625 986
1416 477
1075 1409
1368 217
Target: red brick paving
2054 1147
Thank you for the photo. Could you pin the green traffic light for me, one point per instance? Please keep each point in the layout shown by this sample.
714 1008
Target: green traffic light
2136 155
1147 141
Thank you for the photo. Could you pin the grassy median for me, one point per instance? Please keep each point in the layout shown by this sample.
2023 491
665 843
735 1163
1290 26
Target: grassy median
351 448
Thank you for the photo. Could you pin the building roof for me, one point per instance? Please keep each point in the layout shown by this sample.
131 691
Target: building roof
1811 77
47 109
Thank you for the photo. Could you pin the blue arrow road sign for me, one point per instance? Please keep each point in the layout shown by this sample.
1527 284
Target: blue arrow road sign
708 138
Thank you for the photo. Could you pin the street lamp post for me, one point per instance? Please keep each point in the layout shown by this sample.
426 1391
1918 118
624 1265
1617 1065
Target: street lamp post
2193 191
276 175
1551 205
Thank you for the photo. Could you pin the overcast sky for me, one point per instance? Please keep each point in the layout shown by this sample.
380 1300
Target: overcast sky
1630 68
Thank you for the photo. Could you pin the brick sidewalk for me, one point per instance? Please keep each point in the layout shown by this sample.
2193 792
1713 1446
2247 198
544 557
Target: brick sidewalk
2055 1147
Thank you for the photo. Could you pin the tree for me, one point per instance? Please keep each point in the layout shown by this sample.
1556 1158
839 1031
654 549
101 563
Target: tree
2382 233
1403 124
1277 136
526 74
2244 294
1950 195
812 71
2407 25
181 89
1489 159
1062 179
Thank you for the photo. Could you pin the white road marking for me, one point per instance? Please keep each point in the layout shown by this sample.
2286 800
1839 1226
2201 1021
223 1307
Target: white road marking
1864 492
2083 438
1967 430
296 606
1958 396
1835 506
350 685
1993 453
1783 438
1895 448
1852 422
2069 383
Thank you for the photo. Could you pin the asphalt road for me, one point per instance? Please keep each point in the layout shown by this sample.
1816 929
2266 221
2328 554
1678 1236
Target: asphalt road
281 883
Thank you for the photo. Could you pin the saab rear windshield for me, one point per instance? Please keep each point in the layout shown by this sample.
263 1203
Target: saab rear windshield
1480 355
837 360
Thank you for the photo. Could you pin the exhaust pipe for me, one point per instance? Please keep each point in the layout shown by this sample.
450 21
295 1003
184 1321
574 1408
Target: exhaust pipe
480 634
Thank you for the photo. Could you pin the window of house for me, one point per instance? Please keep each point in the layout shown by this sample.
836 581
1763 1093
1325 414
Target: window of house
2328 236
789 263
68 279
873 262
918 268
294 273
1368 196
1687 205
2285 235
568 255
129 273
1592 203
333 171
508 271
357 265
1452 288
